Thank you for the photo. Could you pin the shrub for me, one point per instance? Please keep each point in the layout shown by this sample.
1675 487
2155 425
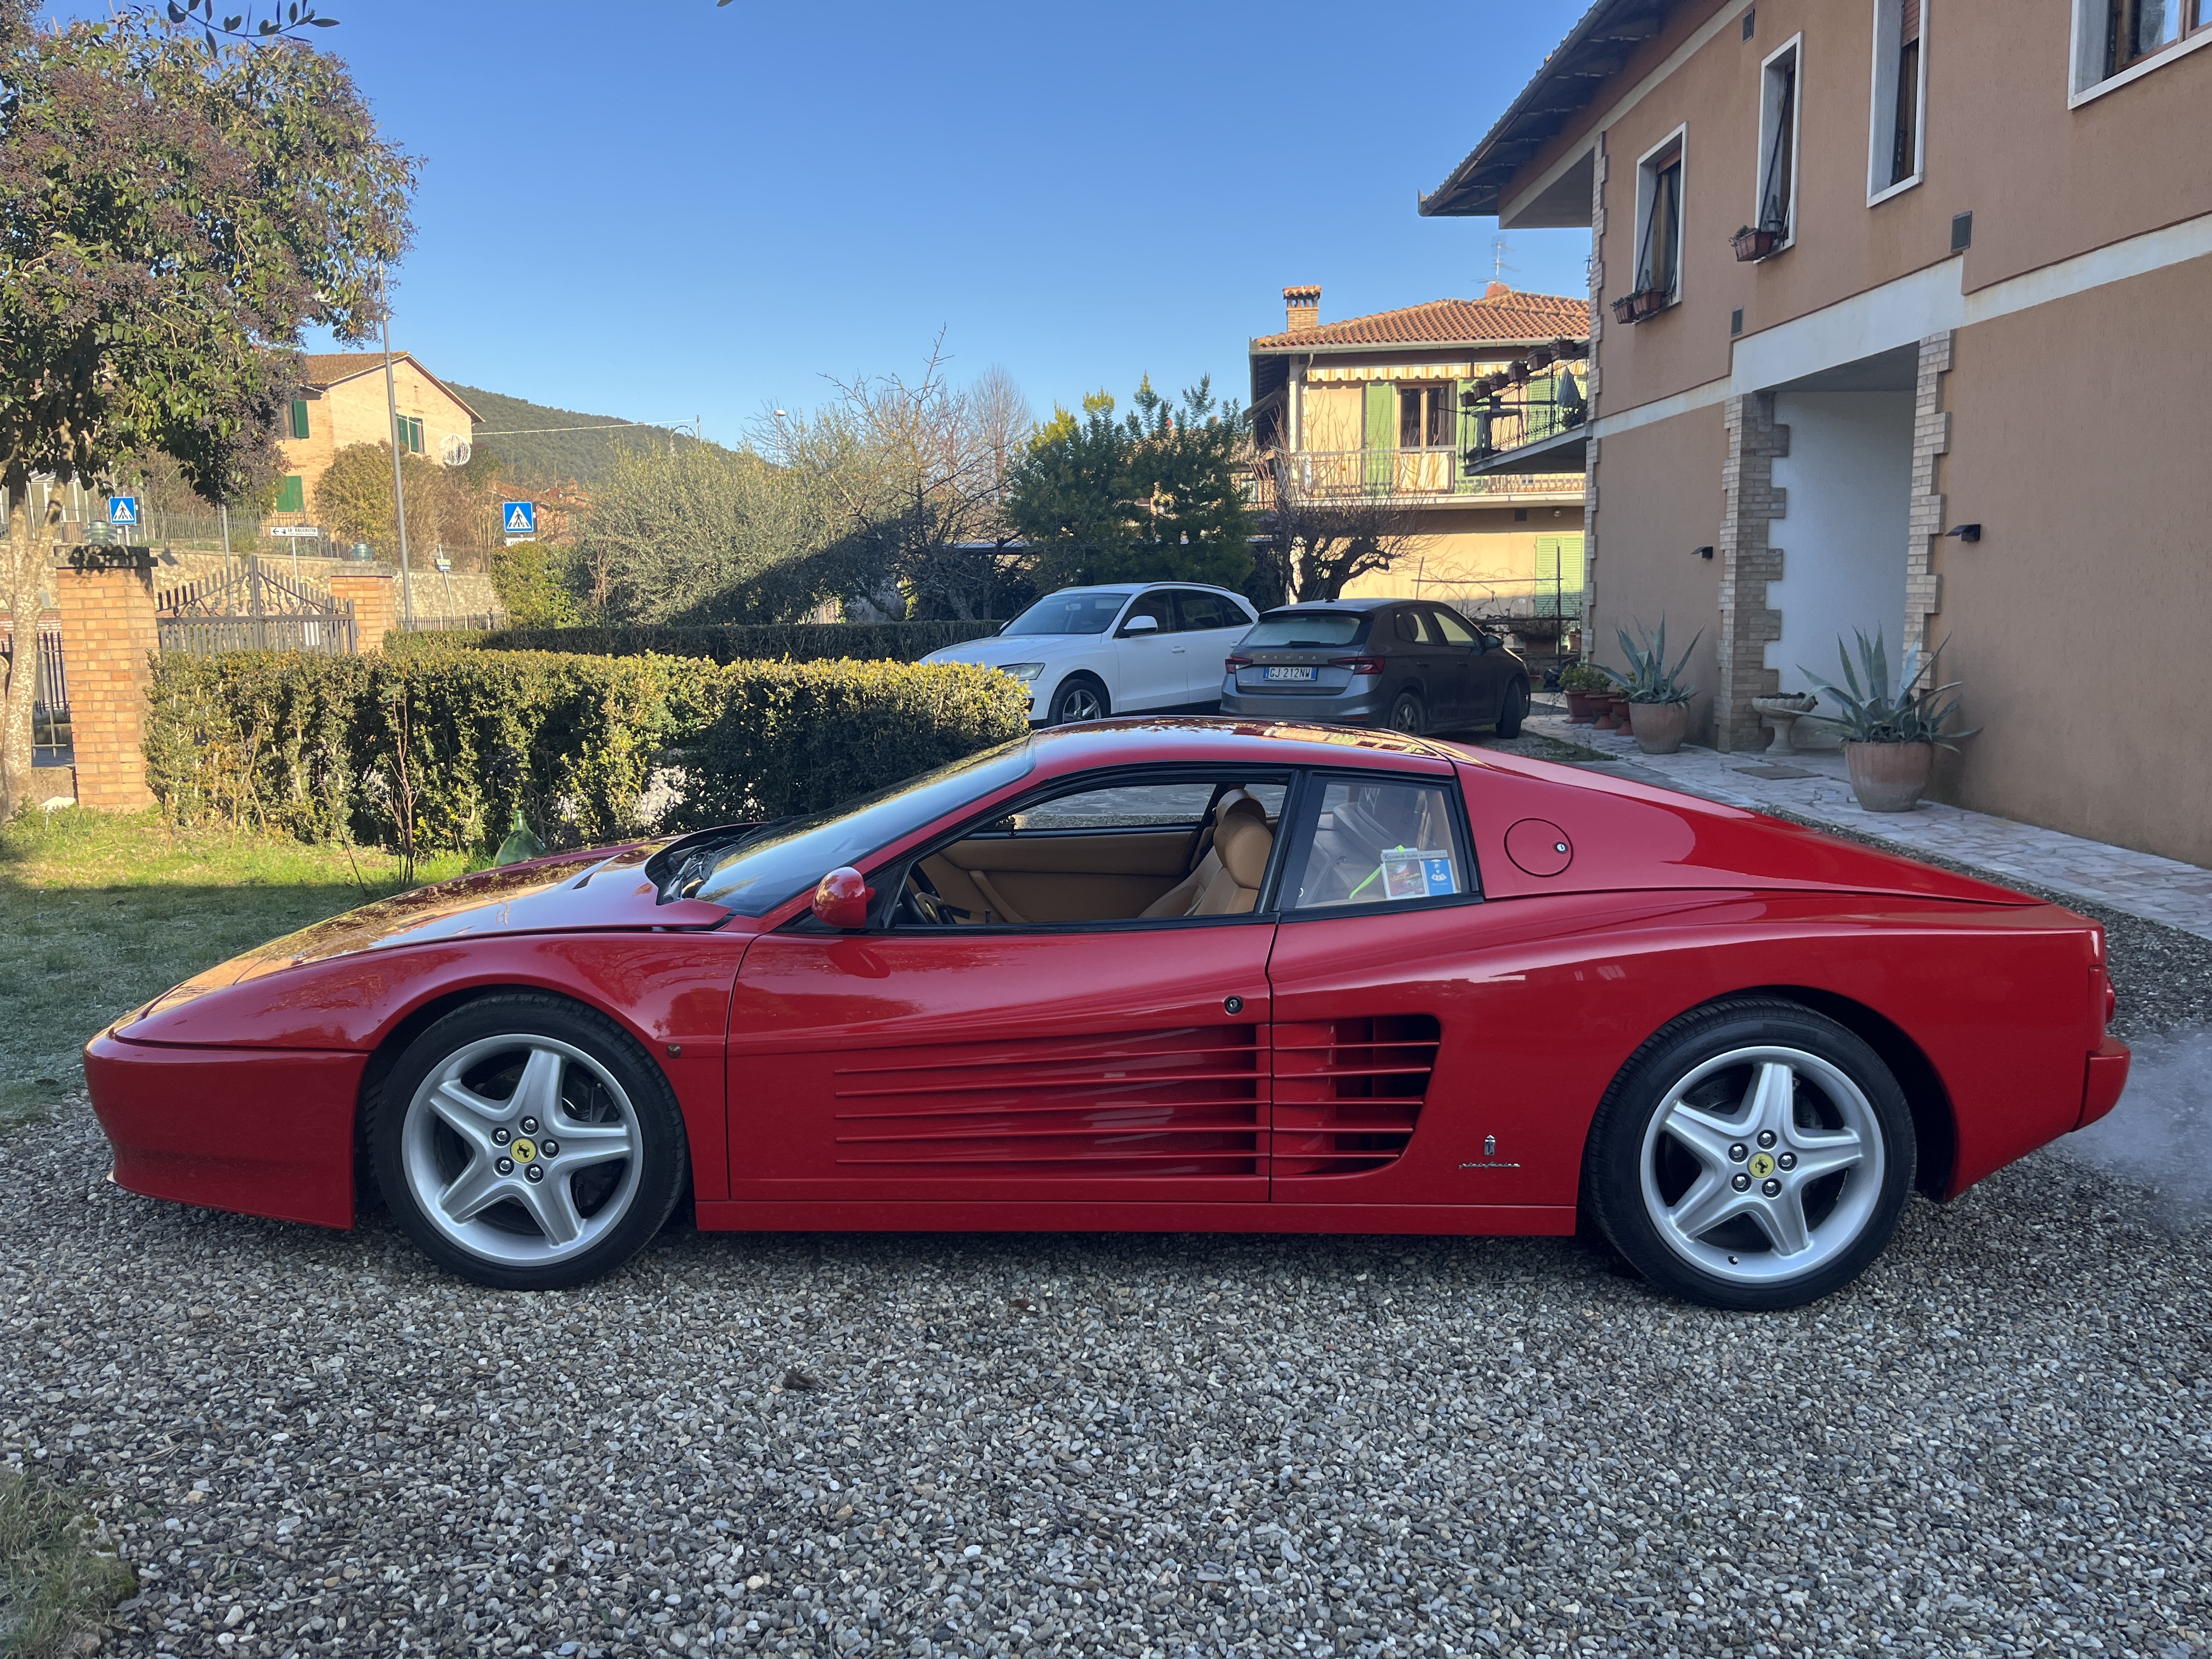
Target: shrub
896 641
435 748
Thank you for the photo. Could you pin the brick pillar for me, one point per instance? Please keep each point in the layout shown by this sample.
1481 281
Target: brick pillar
108 640
1931 438
1749 561
373 591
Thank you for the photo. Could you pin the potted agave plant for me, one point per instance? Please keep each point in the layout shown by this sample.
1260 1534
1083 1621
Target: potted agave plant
1658 696
1581 681
1889 741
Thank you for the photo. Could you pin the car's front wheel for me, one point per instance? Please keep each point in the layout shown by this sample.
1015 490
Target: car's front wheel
1753 1154
1079 698
525 1142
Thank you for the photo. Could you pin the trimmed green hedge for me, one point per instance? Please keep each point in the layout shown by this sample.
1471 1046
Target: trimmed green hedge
436 750
898 641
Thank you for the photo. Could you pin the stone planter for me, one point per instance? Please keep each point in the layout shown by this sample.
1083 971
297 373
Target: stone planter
1781 714
1579 712
1659 727
1889 777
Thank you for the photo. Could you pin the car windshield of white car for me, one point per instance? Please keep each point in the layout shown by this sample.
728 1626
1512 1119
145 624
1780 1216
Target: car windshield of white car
762 871
1069 613
1299 628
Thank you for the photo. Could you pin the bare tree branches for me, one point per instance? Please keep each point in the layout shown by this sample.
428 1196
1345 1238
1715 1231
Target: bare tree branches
1323 528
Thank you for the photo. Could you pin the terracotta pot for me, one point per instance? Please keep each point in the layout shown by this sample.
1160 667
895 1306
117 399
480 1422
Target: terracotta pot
1612 711
1889 777
1751 245
1659 728
1579 712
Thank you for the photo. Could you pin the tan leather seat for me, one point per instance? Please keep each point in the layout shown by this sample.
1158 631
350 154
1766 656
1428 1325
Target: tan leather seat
1243 844
1183 899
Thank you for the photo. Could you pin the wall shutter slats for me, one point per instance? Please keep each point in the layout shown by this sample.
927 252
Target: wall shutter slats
1909 20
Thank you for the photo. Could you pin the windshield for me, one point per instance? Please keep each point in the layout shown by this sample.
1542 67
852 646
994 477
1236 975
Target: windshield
1075 610
752 878
1305 628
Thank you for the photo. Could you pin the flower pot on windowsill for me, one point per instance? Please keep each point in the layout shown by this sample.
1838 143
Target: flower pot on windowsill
1752 245
1644 302
1889 777
1659 727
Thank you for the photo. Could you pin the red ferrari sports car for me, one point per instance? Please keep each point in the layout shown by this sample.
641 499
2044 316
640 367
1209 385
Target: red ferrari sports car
1149 975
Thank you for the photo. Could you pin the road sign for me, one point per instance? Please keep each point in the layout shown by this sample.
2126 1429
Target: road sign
520 517
309 530
123 509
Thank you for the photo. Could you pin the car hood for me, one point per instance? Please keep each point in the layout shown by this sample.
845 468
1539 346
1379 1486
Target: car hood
997 651
599 890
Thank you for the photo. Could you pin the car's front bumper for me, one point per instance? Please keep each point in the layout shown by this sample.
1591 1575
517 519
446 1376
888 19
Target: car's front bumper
262 1131
1356 706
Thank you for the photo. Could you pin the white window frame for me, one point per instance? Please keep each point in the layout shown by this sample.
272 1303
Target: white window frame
2086 77
1793 47
1647 191
1882 105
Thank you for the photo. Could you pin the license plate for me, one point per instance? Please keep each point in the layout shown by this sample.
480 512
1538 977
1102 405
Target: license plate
1289 673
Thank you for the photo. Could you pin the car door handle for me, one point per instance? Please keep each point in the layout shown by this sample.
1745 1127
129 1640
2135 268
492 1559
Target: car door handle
1178 649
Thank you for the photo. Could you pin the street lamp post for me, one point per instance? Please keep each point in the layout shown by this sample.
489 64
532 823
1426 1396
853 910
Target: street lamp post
398 488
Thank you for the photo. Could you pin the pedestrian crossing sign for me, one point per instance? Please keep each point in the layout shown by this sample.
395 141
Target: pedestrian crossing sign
521 517
123 509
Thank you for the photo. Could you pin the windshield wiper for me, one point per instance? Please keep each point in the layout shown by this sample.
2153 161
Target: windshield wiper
681 868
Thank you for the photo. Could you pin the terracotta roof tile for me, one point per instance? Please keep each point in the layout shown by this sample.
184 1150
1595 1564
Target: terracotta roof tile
1450 322
327 369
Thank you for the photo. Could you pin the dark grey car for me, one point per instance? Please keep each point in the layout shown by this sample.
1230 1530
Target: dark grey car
1407 664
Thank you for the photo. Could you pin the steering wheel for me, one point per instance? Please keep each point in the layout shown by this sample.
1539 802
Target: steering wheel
921 902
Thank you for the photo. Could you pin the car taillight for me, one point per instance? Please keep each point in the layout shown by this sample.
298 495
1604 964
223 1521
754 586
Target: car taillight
1233 664
1357 664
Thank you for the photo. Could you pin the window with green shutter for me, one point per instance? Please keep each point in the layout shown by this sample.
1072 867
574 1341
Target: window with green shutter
1380 434
1562 574
410 435
292 495
298 417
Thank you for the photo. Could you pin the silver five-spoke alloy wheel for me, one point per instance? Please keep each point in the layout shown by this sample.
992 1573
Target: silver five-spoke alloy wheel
1762 1166
521 1150
1080 701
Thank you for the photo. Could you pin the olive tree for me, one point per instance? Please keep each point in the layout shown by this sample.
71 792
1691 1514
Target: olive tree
179 199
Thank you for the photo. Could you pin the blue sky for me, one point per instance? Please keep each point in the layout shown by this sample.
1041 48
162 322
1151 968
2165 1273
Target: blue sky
661 208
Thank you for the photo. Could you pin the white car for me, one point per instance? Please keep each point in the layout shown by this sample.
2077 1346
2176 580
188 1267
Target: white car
1086 653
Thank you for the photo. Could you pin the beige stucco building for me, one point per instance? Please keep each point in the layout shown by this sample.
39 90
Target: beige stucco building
1951 386
345 404
1391 406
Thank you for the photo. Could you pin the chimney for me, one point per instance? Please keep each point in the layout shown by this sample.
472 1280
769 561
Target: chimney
1301 307
1496 291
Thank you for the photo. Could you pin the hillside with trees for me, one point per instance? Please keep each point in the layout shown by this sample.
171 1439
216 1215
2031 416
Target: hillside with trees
538 444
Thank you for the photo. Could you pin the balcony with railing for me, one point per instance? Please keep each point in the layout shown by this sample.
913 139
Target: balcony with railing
1429 475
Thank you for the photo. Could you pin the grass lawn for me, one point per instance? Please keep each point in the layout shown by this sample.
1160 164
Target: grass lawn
100 911
55 1577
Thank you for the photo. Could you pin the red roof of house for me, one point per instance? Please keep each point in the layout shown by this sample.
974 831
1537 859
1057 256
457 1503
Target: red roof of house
322 369
1504 317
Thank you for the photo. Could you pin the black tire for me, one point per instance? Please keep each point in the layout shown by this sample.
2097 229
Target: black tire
1722 1074
1080 698
1407 716
606 1095
1514 710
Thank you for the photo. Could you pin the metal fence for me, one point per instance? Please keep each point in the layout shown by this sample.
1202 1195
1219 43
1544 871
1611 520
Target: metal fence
50 744
203 636
478 622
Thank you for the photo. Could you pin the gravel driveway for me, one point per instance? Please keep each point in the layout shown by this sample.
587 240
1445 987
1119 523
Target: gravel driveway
1995 1443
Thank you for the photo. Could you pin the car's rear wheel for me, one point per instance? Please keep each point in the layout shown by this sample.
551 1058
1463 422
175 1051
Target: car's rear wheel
525 1142
1079 698
1407 716
1753 1154
1514 710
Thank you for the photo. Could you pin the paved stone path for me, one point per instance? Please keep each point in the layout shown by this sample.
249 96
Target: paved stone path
1813 786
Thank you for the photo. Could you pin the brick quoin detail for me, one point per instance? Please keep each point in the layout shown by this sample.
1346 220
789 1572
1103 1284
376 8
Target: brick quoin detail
1749 561
1590 396
1931 438
108 641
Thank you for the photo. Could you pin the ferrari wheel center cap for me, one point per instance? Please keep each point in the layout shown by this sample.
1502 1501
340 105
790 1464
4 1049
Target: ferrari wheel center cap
1762 1164
524 1151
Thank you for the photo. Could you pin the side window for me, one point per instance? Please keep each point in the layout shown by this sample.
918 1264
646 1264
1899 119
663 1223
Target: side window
1455 631
1131 807
1659 222
1406 627
1155 605
1202 613
1391 842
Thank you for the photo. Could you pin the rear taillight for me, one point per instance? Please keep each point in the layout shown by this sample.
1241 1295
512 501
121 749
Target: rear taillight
1357 664
1233 664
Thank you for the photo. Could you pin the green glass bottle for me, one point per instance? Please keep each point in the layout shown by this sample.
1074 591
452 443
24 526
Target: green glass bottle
521 843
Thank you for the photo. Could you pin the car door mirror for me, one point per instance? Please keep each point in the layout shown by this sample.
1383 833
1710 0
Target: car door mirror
1137 625
841 898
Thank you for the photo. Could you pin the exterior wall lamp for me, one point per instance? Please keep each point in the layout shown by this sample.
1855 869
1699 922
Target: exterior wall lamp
1964 533
1701 552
